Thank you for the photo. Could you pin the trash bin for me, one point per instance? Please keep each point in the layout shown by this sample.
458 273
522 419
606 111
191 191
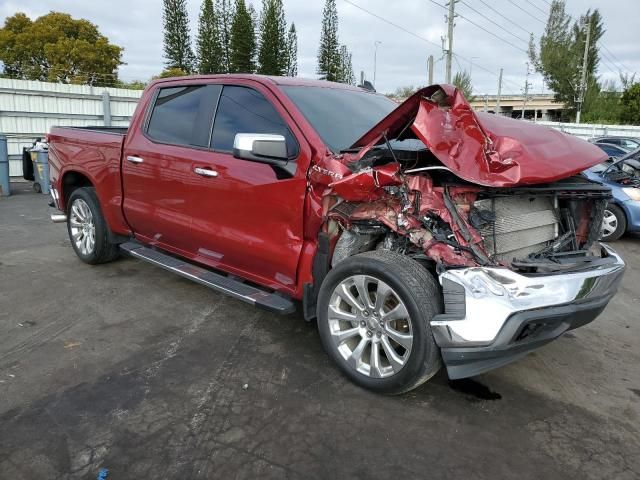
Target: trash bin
40 159
41 166
5 191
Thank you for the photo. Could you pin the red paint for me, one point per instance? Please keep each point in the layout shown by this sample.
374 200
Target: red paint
248 222
483 148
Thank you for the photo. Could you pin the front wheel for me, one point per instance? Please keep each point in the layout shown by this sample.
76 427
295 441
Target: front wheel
374 314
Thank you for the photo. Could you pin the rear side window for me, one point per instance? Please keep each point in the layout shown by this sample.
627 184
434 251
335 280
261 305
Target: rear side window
245 110
183 115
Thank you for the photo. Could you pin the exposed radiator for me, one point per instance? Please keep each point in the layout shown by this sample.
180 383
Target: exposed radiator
523 225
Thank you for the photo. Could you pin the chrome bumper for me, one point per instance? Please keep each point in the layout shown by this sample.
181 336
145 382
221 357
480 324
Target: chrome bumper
480 301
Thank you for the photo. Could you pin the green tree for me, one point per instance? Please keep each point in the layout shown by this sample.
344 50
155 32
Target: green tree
402 93
177 41
462 81
132 85
273 45
224 18
208 46
58 48
345 69
329 50
630 110
243 41
170 72
291 69
604 104
559 55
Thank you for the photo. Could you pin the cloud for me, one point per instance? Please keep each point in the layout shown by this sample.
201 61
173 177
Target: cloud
402 58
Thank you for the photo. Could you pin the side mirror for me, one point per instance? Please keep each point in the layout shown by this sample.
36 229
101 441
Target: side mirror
261 147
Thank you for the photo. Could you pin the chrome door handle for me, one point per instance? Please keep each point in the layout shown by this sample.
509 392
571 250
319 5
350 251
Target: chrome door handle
205 172
132 159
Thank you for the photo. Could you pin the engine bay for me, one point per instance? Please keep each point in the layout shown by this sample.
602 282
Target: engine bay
404 199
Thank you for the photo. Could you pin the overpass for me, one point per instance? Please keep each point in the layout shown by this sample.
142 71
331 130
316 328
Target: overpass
538 106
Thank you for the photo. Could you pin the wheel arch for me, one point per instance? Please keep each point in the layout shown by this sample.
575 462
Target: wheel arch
71 181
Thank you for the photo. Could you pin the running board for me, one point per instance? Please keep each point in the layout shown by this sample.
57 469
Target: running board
221 283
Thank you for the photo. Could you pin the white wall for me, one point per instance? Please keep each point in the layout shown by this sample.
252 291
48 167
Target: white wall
587 130
28 109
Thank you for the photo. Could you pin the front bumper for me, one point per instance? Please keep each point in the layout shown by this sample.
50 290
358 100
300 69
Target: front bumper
494 316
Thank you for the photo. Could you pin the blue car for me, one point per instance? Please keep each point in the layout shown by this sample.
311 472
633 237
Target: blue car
622 175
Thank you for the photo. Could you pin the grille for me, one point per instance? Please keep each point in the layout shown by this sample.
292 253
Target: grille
523 225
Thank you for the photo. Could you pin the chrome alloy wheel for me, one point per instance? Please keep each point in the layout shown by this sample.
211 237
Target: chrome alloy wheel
609 223
83 230
370 326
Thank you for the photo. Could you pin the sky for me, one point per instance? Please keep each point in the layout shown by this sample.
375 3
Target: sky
409 31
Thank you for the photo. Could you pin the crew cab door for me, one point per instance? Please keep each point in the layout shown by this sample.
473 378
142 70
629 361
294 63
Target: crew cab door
247 217
157 166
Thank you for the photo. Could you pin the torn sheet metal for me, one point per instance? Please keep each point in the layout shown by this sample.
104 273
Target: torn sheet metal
483 148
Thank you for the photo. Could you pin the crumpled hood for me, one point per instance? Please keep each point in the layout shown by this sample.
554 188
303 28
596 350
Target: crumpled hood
483 148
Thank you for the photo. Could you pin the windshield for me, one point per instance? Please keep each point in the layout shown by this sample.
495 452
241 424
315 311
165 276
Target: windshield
340 116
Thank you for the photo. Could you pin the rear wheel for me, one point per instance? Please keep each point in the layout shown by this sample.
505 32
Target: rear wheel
87 228
614 223
374 313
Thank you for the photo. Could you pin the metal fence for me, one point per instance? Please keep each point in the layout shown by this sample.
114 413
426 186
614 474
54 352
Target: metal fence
587 130
28 109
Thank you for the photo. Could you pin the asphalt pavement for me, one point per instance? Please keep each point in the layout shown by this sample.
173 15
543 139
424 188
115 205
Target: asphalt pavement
130 368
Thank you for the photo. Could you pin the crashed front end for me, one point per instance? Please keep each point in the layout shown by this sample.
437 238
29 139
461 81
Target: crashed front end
510 233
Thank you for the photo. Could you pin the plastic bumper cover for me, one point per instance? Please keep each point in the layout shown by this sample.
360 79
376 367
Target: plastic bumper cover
494 316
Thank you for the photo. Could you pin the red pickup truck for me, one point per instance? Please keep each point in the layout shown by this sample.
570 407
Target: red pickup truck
416 234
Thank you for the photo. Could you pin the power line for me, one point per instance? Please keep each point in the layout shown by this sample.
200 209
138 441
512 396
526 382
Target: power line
495 23
535 6
616 58
526 11
482 28
511 22
413 34
492 34
610 62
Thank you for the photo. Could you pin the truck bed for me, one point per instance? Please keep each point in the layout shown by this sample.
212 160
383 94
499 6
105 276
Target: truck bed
96 153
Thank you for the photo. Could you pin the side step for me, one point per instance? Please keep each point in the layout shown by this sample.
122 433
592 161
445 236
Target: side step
221 283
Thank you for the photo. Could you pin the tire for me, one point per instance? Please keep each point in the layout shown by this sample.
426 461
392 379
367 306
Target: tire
614 223
401 279
87 228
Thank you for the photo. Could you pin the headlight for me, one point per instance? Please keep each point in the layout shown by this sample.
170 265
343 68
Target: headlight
632 193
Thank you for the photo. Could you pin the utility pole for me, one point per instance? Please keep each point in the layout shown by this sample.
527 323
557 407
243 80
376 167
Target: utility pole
583 80
486 103
450 21
526 92
430 67
499 92
375 60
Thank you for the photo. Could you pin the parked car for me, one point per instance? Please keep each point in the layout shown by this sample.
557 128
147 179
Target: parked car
612 150
472 250
627 143
622 175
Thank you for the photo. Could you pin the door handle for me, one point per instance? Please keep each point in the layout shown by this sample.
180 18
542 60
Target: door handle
132 159
205 172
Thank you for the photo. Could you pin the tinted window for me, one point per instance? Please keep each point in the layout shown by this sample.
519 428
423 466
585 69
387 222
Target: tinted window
611 150
183 115
245 110
340 116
